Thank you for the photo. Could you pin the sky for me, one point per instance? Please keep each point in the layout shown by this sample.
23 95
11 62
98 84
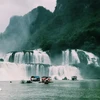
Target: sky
9 8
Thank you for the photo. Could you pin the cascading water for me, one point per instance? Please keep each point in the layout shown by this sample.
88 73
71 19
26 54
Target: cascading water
36 62
60 72
18 58
69 58
12 71
24 65
29 57
90 57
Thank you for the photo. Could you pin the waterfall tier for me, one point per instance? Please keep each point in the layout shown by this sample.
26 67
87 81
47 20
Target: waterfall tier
60 72
29 57
71 57
13 71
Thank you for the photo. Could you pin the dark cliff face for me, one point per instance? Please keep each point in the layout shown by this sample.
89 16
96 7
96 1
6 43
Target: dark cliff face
42 18
77 8
71 4
75 24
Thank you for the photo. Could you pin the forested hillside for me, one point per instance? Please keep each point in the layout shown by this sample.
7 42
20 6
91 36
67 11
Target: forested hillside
74 24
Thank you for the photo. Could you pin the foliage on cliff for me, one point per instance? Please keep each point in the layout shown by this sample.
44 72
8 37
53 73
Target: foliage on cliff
74 24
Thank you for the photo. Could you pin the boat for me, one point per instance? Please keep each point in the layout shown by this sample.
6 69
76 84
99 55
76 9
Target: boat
35 78
74 77
46 79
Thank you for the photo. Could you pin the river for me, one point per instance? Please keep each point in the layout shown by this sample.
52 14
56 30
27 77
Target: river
58 90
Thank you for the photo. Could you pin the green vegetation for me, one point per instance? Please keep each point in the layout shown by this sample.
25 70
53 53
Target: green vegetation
75 25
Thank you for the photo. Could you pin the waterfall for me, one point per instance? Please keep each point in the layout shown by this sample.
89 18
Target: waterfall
36 70
60 72
88 57
7 57
12 71
25 64
30 57
18 58
37 62
69 58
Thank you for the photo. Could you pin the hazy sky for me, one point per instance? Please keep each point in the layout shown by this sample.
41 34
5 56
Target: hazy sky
8 8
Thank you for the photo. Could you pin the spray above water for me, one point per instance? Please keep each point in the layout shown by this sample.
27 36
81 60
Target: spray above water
61 72
12 71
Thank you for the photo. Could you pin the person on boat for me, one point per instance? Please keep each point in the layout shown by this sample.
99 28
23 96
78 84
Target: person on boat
46 81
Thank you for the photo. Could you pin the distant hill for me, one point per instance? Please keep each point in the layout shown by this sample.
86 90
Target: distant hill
18 31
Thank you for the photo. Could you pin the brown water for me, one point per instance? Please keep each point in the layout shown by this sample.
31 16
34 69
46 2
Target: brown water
58 90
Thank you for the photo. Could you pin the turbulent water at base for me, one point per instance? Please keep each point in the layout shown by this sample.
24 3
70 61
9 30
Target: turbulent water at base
36 62
12 71
60 72
69 58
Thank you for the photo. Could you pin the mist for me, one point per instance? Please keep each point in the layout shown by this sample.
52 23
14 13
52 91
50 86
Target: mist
17 34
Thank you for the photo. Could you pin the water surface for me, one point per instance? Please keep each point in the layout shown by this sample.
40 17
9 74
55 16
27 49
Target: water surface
58 90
